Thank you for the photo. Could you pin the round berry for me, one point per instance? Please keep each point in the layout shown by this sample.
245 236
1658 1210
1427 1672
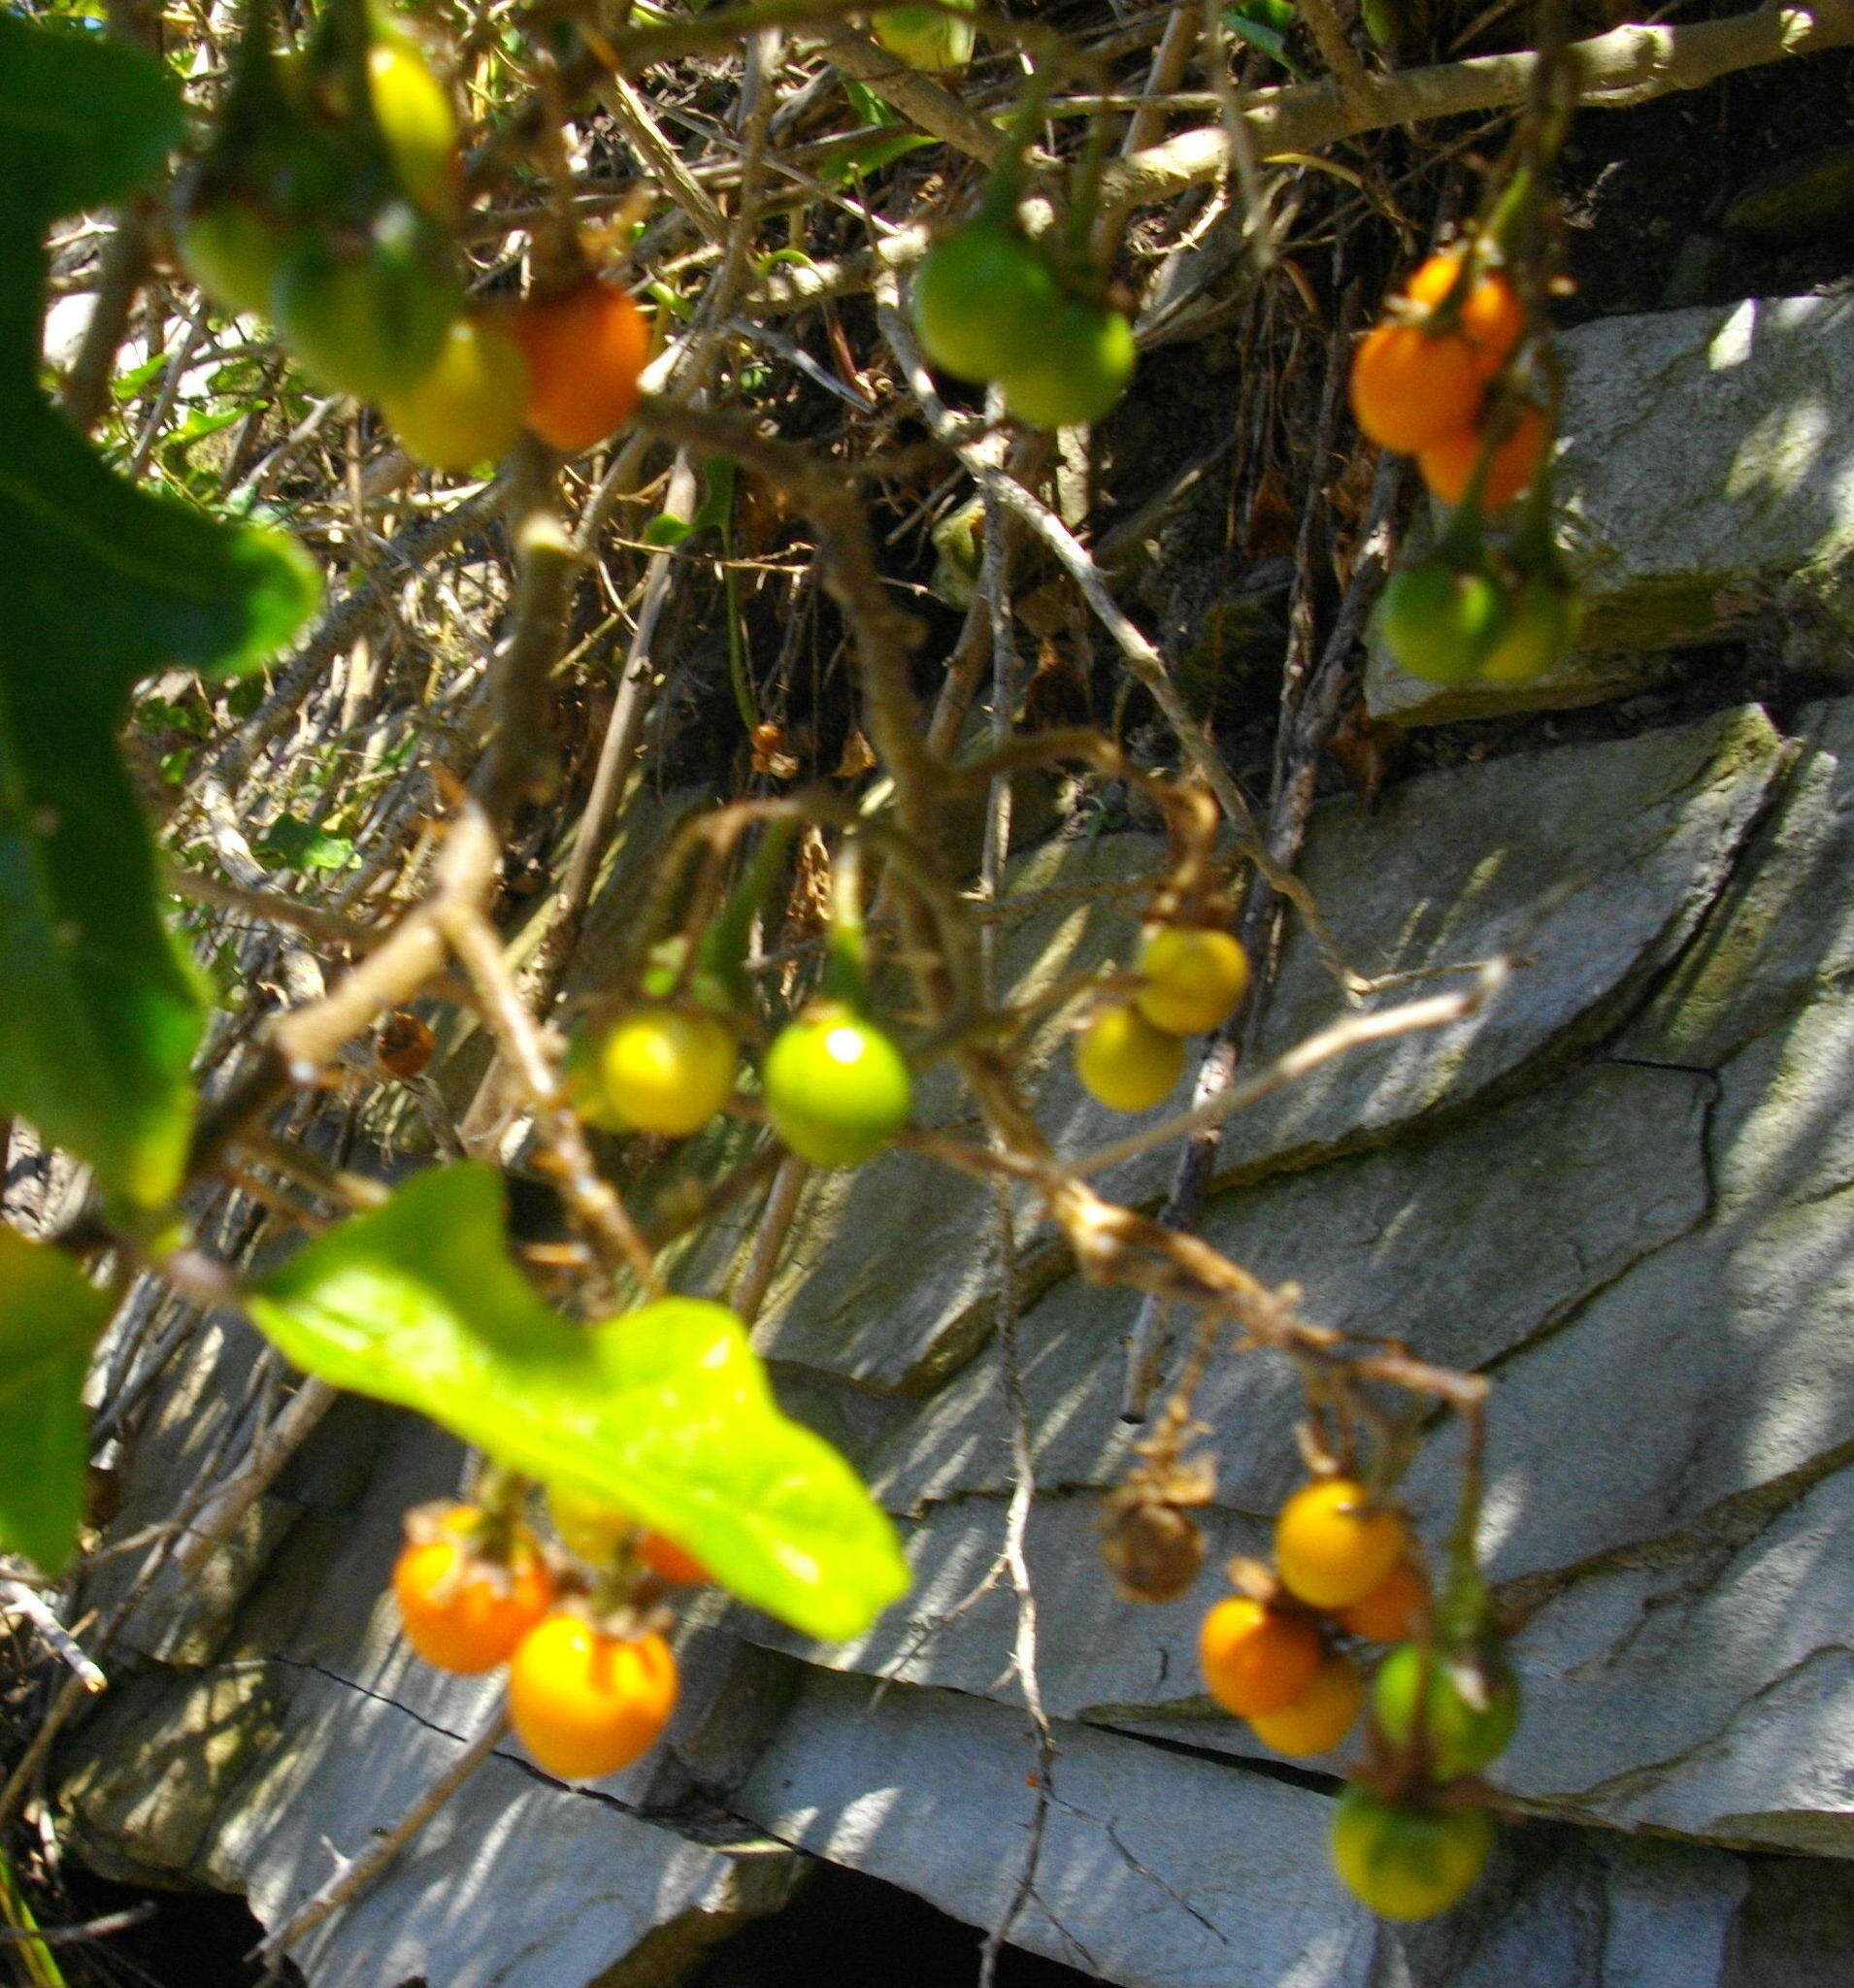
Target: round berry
1257 1659
1124 1062
837 1088
1331 1547
1407 1860
585 1703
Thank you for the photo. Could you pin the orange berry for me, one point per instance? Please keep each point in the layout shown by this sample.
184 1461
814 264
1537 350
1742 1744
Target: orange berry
672 1563
585 1703
1257 1659
1447 466
1391 1611
584 350
462 1612
1410 389
1320 1718
1492 319
1332 1547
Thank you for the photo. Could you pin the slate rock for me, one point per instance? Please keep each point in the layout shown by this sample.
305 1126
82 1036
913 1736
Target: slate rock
1158 1870
518 1882
1702 1685
1784 928
1723 1363
1594 861
1415 1240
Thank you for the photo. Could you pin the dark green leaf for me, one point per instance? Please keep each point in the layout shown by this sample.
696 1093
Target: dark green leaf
50 1318
82 118
99 1013
664 1412
842 168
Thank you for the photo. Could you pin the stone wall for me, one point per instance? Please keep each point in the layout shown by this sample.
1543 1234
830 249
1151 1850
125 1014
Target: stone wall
1625 1190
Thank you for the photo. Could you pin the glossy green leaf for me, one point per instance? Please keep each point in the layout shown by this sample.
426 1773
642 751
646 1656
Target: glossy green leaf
99 1010
664 1412
50 1318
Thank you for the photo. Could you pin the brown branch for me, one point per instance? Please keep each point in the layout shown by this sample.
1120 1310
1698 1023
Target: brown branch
1627 66
124 266
601 1213
1352 1032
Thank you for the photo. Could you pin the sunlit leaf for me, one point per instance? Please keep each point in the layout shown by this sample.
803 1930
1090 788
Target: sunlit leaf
50 1318
664 1411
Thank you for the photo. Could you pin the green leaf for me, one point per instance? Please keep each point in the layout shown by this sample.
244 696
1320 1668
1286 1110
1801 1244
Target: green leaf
99 1010
82 120
1266 26
50 1318
665 529
665 1411
842 168
297 844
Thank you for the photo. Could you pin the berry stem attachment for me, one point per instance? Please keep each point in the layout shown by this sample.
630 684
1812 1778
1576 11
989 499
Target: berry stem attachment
846 948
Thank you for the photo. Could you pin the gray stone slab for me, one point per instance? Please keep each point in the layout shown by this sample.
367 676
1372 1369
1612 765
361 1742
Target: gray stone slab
1721 1364
1706 476
518 1882
1704 1687
1157 1870
1784 928
1100 1655
1417 1240
1595 861
1796 1928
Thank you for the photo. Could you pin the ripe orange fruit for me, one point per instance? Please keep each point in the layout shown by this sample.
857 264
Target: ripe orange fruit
1320 1718
672 1563
1410 389
1492 319
1391 1610
586 349
1447 465
462 1612
585 1703
1257 1659
1331 1547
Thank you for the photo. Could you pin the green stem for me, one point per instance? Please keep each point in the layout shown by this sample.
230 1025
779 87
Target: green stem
1004 185
846 948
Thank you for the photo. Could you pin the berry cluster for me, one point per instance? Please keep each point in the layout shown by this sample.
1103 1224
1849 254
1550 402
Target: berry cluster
1408 1837
835 1088
990 305
590 1688
1191 979
1438 380
329 202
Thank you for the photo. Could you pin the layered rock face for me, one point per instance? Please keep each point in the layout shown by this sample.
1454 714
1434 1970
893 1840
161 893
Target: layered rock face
1625 1190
